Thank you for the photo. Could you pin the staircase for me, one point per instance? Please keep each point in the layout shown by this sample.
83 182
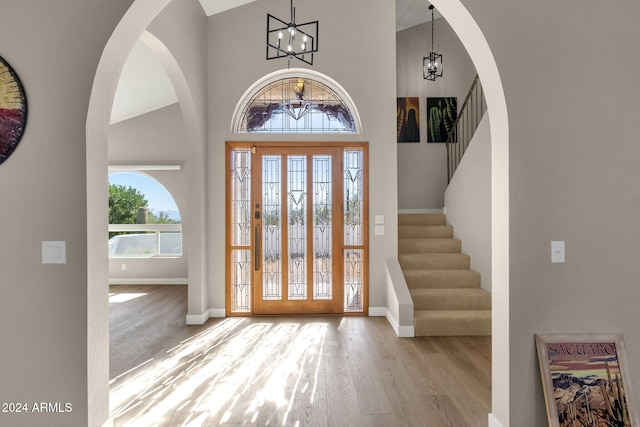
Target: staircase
447 297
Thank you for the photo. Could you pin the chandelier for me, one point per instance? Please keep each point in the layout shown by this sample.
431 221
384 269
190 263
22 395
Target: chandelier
432 64
290 40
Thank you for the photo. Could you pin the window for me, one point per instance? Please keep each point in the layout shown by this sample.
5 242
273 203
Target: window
296 104
144 220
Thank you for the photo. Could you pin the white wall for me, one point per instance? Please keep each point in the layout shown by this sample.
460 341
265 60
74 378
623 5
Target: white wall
468 202
422 167
366 73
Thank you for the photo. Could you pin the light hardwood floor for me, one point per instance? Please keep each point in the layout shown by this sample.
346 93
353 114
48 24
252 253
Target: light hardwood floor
285 371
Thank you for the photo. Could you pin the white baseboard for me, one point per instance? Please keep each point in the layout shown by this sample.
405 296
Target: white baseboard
406 331
217 312
419 211
377 311
149 281
199 319
493 421
401 331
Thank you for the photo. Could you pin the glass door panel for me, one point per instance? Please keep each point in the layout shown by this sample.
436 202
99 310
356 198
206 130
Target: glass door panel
297 214
294 217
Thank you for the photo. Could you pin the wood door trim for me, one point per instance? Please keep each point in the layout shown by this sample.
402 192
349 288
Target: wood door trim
338 260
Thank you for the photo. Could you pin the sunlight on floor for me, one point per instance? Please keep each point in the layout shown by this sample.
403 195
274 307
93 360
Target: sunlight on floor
237 371
123 297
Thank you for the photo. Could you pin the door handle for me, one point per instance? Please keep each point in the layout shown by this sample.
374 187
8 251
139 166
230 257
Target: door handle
256 245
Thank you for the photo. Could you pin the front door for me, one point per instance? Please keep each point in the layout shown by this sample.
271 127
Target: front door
295 236
297 230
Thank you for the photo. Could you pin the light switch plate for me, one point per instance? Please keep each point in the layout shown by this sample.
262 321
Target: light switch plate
54 252
379 230
379 219
557 252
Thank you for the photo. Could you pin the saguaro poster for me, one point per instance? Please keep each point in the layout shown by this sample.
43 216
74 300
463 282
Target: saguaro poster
586 381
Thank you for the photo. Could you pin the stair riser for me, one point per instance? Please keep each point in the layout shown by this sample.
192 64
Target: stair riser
463 303
442 279
442 283
407 246
454 329
430 219
452 323
434 261
425 232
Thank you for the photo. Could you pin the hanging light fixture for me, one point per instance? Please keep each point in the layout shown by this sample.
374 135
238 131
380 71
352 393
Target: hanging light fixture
290 40
432 64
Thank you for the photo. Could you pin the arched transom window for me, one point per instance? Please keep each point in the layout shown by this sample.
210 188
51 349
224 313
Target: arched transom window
297 104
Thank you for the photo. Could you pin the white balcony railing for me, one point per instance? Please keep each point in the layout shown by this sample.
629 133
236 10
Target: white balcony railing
145 240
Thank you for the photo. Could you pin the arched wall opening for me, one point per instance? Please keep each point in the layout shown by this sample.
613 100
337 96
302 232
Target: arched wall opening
478 48
130 28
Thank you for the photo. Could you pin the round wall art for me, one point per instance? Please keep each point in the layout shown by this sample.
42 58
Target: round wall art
13 110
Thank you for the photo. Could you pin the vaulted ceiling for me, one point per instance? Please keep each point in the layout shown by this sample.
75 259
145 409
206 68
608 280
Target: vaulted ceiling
144 85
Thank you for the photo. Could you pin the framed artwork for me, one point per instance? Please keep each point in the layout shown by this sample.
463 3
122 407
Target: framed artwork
13 110
408 116
441 117
585 378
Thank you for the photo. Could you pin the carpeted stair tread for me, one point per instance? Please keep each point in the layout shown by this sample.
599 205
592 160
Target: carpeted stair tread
441 278
406 246
451 299
452 322
428 261
425 231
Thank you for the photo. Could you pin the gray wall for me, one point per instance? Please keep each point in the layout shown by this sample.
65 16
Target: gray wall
468 202
422 167
573 176
43 308
366 73
181 45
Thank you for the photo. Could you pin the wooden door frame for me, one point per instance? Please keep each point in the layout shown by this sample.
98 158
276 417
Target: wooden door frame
364 146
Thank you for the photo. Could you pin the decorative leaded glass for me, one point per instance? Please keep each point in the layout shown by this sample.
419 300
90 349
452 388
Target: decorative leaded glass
241 197
272 228
297 212
241 281
322 228
353 280
353 229
296 105
353 197
241 230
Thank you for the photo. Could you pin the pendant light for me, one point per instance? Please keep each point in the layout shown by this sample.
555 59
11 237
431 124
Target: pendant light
432 64
290 40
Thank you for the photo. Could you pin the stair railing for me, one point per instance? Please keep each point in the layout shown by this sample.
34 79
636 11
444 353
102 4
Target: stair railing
464 127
